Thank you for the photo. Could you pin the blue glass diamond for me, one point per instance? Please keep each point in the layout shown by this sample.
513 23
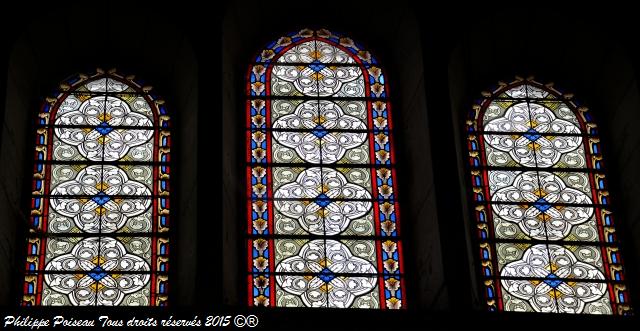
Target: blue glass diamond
326 275
97 273
322 200
317 66
104 128
101 198
552 280
319 131
532 134
542 205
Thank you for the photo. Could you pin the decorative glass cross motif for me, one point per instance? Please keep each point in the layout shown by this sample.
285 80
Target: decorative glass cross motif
101 198
97 273
319 131
317 66
322 200
552 280
104 128
532 134
326 275
542 205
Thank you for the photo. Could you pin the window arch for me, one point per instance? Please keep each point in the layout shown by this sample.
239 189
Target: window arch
98 230
546 231
322 207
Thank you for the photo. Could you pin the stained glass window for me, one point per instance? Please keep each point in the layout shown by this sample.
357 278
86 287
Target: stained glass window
546 231
98 230
322 208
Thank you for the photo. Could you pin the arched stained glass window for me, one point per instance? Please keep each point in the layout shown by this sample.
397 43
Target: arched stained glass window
322 208
100 197
546 231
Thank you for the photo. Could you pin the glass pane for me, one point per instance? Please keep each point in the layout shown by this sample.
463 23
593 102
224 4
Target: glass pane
104 112
68 290
301 53
501 157
103 85
59 248
65 146
560 110
352 83
572 159
101 143
288 107
355 108
315 52
137 105
283 83
515 118
327 53
520 148
284 154
498 108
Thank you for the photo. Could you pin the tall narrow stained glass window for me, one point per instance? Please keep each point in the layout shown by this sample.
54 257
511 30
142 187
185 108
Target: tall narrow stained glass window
322 208
98 232
546 231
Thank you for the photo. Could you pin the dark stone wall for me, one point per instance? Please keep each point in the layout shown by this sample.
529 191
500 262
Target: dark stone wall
437 60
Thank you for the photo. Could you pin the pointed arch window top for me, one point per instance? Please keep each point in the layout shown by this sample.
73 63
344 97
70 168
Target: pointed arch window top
309 46
546 229
318 64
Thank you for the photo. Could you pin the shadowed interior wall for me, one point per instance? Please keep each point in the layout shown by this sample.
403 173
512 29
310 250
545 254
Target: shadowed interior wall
437 61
